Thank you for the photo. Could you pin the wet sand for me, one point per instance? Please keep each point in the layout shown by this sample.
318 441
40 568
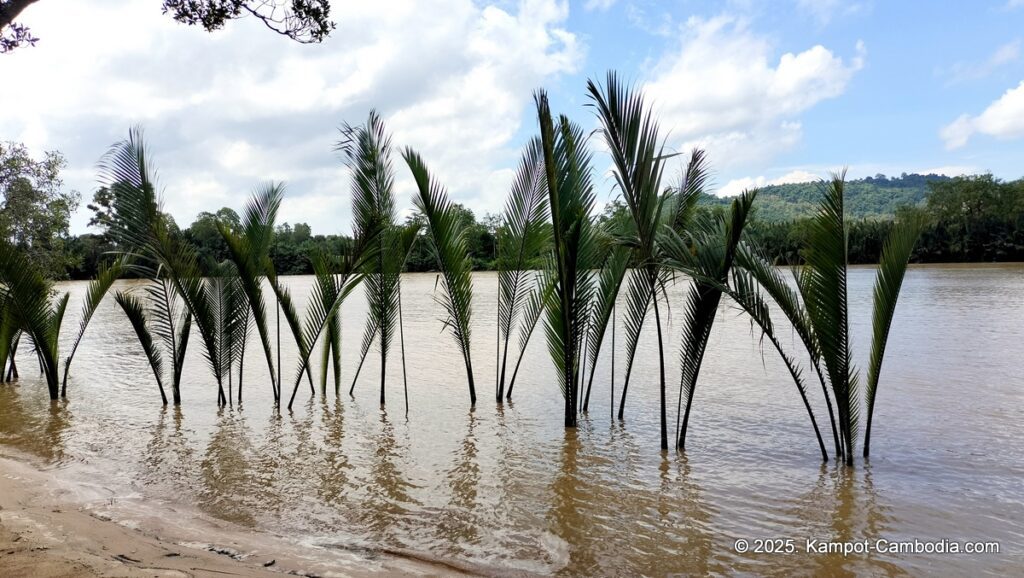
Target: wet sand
45 532
42 535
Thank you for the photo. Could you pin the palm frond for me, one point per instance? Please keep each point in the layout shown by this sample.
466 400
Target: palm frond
710 259
29 307
521 238
329 292
570 201
536 301
249 252
447 242
822 285
135 311
744 289
892 266
94 294
770 280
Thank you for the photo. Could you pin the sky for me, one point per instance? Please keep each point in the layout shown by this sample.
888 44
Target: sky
776 92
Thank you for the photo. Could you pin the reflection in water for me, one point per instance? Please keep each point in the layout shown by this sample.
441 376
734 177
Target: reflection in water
333 476
565 519
226 489
386 493
507 487
458 525
695 549
34 423
168 455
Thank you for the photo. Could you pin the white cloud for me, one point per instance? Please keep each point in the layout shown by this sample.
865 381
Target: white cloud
725 90
963 71
452 78
825 10
822 10
1003 119
737 186
950 170
599 5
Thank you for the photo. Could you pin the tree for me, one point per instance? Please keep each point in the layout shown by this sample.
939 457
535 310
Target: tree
205 235
102 207
34 209
305 21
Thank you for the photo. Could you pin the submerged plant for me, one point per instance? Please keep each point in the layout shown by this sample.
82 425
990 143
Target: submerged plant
447 242
631 134
570 200
27 307
144 236
819 309
523 235
249 251
367 149
709 258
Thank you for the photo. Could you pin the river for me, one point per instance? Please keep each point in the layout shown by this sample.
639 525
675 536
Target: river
505 488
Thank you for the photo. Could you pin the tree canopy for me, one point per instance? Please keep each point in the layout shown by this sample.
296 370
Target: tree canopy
305 21
35 209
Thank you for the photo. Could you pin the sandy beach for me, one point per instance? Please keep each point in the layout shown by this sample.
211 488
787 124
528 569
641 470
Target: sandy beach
47 531
43 535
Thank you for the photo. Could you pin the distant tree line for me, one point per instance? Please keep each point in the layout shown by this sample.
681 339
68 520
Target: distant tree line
969 219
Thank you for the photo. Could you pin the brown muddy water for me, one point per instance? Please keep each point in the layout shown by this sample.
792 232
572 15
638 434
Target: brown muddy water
508 490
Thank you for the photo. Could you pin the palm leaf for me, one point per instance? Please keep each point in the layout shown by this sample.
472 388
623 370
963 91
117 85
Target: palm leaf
135 312
710 258
249 252
447 242
540 294
788 300
94 294
822 285
29 307
892 267
521 237
570 200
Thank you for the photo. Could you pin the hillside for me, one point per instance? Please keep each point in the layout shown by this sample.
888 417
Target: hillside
875 197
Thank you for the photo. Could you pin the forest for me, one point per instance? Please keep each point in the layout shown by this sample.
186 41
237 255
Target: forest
976 218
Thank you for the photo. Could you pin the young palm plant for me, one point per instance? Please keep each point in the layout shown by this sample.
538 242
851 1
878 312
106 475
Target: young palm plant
823 320
143 233
447 242
335 280
709 257
367 150
632 136
160 315
249 251
230 311
522 236
27 307
570 200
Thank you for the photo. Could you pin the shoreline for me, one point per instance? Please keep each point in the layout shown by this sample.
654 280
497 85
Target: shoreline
45 531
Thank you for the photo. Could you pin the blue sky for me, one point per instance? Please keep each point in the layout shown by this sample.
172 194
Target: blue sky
776 91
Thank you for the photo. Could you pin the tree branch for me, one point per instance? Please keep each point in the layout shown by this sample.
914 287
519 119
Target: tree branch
10 10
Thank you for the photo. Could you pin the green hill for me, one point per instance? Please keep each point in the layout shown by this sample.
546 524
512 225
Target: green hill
875 197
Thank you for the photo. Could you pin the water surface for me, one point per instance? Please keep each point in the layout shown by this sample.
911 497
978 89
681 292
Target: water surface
506 488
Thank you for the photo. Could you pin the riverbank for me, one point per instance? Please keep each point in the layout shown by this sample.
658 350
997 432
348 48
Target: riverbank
44 535
46 530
